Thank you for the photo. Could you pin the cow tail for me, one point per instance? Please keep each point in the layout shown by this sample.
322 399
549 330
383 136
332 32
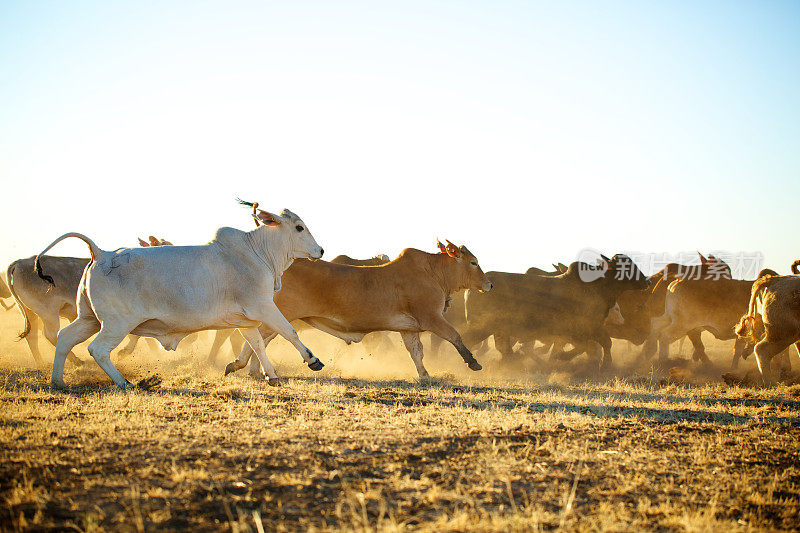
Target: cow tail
746 325
796 267
10 277
94 250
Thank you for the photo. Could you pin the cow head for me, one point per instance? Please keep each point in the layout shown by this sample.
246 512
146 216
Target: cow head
622 269
469 273
299 242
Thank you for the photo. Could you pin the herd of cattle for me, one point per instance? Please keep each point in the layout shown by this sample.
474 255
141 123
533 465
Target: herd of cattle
261 282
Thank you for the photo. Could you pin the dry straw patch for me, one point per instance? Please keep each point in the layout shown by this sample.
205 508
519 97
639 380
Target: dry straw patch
449 454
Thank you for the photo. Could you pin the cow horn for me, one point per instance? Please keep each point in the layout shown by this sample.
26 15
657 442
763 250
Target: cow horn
606 259
703 260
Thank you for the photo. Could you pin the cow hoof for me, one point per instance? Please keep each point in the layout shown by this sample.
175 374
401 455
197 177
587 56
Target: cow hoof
230 367
316 365
58 386
275 382
474 365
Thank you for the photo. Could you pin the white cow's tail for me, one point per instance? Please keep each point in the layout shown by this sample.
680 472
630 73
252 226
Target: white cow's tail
26 320
94 250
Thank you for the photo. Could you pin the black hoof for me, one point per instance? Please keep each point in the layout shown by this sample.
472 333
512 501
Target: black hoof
474 365
316 365
275 382
229 368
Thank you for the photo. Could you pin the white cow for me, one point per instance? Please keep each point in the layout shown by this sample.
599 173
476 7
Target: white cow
168 292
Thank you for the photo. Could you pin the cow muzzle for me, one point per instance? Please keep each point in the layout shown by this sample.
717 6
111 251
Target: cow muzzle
486 286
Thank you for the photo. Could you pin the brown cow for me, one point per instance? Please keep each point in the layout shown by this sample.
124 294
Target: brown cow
774 309
714 305
571 306
407 295
640 308
237 341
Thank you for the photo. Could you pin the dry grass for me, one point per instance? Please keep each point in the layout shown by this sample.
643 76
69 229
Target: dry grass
328 452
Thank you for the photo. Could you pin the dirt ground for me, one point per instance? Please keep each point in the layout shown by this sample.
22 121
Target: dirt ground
363 445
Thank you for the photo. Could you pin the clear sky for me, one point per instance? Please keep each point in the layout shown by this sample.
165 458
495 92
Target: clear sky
525 130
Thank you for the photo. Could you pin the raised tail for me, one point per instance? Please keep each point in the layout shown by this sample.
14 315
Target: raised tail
796 267
94 250
10 277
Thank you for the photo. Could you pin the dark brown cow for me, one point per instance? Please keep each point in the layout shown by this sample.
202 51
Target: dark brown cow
407 295
528 308
773 319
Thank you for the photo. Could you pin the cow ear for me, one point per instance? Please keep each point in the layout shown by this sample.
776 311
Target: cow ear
154 241
441 246
142 243
452 250
703 260
268 219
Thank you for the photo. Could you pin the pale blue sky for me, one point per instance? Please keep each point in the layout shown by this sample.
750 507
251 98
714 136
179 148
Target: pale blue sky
525 130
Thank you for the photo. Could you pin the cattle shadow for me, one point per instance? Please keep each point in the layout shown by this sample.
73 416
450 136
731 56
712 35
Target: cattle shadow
386 393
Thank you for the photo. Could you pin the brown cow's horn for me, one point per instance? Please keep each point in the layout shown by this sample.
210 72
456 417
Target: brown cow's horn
606 259
703 260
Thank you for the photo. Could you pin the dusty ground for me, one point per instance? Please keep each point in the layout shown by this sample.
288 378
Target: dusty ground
362 445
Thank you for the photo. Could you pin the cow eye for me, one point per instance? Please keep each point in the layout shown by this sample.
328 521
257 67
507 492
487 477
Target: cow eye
473 263
299 228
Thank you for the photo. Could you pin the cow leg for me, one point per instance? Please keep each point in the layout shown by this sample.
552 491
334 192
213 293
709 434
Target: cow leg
32 338
414 346
436 344
100 348
237 341
649 348
765 350
440 326
256 342
605 342
255 365
220 336
699 352
502 344
246 354
741 350
274 320
133 340
51 323
73 334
